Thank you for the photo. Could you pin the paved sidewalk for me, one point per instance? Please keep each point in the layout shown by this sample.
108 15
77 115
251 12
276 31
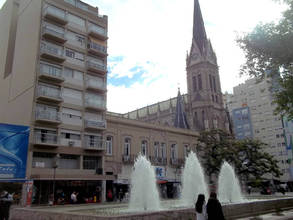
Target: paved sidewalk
286 215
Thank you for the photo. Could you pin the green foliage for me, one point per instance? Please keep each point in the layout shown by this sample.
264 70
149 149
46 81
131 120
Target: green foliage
247 156
269 47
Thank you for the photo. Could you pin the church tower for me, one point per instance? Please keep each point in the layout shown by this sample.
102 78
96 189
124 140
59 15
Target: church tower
206 110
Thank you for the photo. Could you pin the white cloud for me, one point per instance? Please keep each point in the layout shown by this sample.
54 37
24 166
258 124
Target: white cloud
161 32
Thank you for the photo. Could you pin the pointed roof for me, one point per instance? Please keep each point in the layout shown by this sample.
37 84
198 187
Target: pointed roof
199 33
180 116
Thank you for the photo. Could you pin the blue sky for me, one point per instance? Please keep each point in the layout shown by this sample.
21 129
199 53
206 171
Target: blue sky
148 41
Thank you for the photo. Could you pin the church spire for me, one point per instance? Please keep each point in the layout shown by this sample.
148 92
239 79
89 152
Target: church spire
180 116
199 33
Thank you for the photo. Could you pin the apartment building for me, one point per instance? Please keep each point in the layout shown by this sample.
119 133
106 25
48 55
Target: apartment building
53 66
256 98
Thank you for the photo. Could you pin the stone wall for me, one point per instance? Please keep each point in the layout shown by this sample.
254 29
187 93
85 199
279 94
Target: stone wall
231 211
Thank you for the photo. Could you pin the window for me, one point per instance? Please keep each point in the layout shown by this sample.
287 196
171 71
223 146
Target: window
211 82
109 145
186 150
76 20
72 96
75 39
214 82
144 145
90 162
199 82
71 136
173 151
194 83
74 55
163 150
71 116
73 74
127 145
156 149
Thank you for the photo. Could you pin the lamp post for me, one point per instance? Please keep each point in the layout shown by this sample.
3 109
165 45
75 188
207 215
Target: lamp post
55 165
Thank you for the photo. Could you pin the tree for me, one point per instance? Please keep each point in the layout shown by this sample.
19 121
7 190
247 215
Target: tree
247 156
269 48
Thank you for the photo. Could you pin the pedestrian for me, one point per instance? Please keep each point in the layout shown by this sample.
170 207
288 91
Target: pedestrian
214 208
110 195
249 189
73 197
5 203
200 208
120 195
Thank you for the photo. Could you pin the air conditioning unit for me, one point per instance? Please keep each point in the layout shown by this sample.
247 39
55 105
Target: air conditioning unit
71 143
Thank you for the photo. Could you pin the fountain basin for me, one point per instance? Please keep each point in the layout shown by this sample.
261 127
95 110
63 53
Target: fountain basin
81 212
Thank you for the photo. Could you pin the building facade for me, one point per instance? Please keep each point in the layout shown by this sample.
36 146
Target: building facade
242 123
257 98
53 66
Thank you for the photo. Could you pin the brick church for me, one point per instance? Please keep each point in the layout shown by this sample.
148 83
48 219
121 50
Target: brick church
202 107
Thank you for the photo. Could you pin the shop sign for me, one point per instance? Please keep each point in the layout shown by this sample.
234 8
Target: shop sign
160 172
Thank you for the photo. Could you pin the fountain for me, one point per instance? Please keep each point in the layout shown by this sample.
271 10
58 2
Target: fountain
228 185
144 193
193 181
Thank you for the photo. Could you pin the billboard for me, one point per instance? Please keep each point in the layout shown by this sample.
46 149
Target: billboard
13 151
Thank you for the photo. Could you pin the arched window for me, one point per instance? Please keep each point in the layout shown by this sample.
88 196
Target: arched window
186 150
127 145
194 83
156 149
199 82
144 146
173 151
109 145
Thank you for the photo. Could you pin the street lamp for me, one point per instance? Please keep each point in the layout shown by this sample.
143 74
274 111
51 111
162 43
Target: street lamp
55 165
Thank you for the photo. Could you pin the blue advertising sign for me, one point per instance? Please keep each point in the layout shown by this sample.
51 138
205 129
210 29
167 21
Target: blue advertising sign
13 151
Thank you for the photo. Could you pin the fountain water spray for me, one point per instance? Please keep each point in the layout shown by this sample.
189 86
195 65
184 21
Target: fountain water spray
228 185
144 193
193 181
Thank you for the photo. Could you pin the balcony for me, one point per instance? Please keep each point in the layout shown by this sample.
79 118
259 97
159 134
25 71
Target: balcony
45 139
93 66
176 162
97 32
55 14
94 84
95 144
50 94
52 52
97 49
50 117
92 124
128 159
160 161
51 73
94 104
52 34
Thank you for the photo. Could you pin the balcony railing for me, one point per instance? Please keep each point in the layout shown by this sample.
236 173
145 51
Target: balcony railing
128 158
49 93
95 104
92 83
48 116
51 72
51 51
96 67
97 49
158 160
56 35
55 14
45 138
95 124
93 143
98 32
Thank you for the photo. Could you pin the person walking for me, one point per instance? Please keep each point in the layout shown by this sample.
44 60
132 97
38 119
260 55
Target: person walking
200 208
73 197
5 203
214 208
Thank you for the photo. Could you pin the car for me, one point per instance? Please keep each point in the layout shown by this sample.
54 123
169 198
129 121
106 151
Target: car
266 191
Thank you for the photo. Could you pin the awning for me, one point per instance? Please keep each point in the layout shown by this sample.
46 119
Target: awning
161 181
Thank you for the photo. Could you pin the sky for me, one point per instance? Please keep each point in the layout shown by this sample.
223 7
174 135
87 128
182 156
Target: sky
149 40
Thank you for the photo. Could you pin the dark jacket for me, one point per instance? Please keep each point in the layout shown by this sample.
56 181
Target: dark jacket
214 210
